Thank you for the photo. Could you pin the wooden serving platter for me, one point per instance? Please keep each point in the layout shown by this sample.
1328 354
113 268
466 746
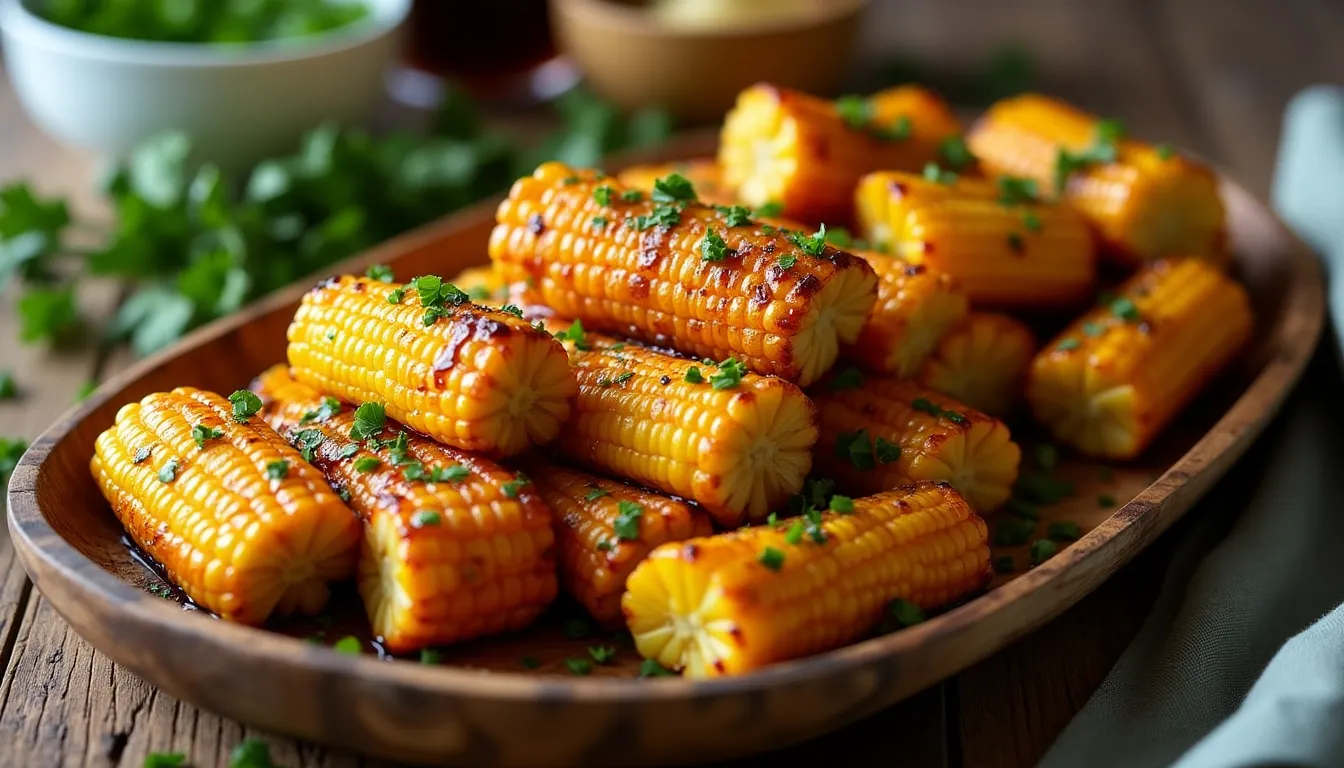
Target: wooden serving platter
484 704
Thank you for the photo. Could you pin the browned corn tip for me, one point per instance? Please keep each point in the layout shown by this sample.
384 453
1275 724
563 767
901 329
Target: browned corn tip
732 603
983 363
455 545
879 433
737 446
766 301
202 494
475 378
1114 379
915 307
604 528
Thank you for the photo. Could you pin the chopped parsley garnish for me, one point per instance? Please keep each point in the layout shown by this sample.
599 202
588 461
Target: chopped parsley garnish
516 485
1064 530
840 237
395 295
734 215
245 405
1093 329
1068 344
330 407
849 378
673 188
529 662
787 261
426 517
933 172
626 524
772 558
1031 221
577 629
842 504
900 129
512 309
1014 190
1013 531
857 448
651 668
856 111
713 247
813 527
453 473
1042 550
906 613
812 245
605 545
8 390
933 409
887 451
570 181
693 376
307 441
430 656
578 667
602 653
380 272
632 196
436 296
1104 149
251 753
1165 151
770 210
169 472
369 421
1003 564
955 153
595 494
1016 242
599 222
367 463
772 518
728 375
347 450
795 534
574 333
602 195
277 470
140 455
349 645
1125 309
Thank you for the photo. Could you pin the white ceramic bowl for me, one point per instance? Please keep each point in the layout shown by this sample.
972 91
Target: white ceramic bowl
237 103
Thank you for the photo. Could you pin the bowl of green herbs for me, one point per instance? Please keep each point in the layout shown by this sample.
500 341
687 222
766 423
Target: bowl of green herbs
242 78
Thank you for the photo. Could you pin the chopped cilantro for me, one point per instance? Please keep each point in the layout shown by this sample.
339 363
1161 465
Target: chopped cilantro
728 375
602 195
887 451
598 222
1042 550
933 172
1165 151
734 215
842 504
595 494
367 463
307 441
1068 344
602 653
578 667
855 447
772 558
395 295
380 272
277 470
673 188
787 261
795 533
515 486
329 407
626 524
1013 531
1014 190
906 613
349 645
1125 309
8 390
200 433
369 421
425 517
430 656
651 668
713 247
771 210
574 333
245 405
812 245
632 196
512 309
955 153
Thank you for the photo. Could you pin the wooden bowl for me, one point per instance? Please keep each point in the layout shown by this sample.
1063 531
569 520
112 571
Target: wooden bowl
482 707
633 60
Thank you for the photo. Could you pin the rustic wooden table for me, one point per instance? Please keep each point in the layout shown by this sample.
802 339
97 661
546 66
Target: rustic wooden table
1211 75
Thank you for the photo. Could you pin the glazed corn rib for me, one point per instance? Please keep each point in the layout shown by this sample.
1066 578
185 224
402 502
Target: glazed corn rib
1145 202
454 545
1004 251
983 363
732 603
878 433
604 528
1114 379
880 192
915 307
236 518
475 378
703 173
676 273
737 443
807 154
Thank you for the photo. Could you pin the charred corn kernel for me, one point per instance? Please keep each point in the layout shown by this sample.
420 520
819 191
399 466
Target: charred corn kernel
1022 256
676 274
982 362
1113 379
482 284
1151 202
732 603
474 378
737 443
238 520
605 528
455 546
915 307
886 432
702 172
806 153
879 195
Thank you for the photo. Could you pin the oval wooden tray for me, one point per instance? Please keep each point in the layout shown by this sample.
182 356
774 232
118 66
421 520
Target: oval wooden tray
495 712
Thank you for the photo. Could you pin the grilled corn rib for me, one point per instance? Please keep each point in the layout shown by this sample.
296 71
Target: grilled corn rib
604 528
732 603
231 512
982 363
474 378
879 192
737 443
882 432
783 146
915 307
1110 382
703 173
1149 203
1023 255
676 274
454 547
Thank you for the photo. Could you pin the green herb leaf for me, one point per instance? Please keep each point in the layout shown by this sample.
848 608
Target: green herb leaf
673 188
595 494
728 375
350 645
813 245
577 629
735 215
934 173
842 504
847 378
8 390
1165 151
632 196
307 441
906 613
772 558
856 111
602 195
771 210
575 334
1125 309
330 407
626 524
380 272
602 653
164 759
430 656
200 433
887 451
955 153
713 247
245 405
839 237
11 450
578 667
857 448
1068 344
787 261
1042 550
251 753
370 418
277 470
1093 329
651 668
1014 190
1013 531
367 463
795 533
169 472
426 517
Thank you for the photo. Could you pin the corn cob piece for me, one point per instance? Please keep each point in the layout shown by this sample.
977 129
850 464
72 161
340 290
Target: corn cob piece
879 433
1024 256
700 280
783 146
881 192
236 518
735 602
454 547
915 307
703 173
475 378
604 528
736 443
482 284
1110 382
982 363
1149 203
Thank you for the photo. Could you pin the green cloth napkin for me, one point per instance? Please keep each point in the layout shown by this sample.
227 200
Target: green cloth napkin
1241 662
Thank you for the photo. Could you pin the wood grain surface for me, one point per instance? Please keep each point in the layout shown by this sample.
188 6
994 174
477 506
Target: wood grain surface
1210 74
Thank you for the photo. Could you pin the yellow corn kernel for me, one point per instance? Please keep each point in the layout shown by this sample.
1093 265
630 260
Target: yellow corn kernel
915 307
475 378
697 285
732 603
880 193
982 363
236 518
881 433
739 447
1109 383
1150 203
783 146
455 546
605 528
702 172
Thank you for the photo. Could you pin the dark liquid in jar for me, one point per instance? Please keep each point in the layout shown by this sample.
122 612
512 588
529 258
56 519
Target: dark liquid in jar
478 41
